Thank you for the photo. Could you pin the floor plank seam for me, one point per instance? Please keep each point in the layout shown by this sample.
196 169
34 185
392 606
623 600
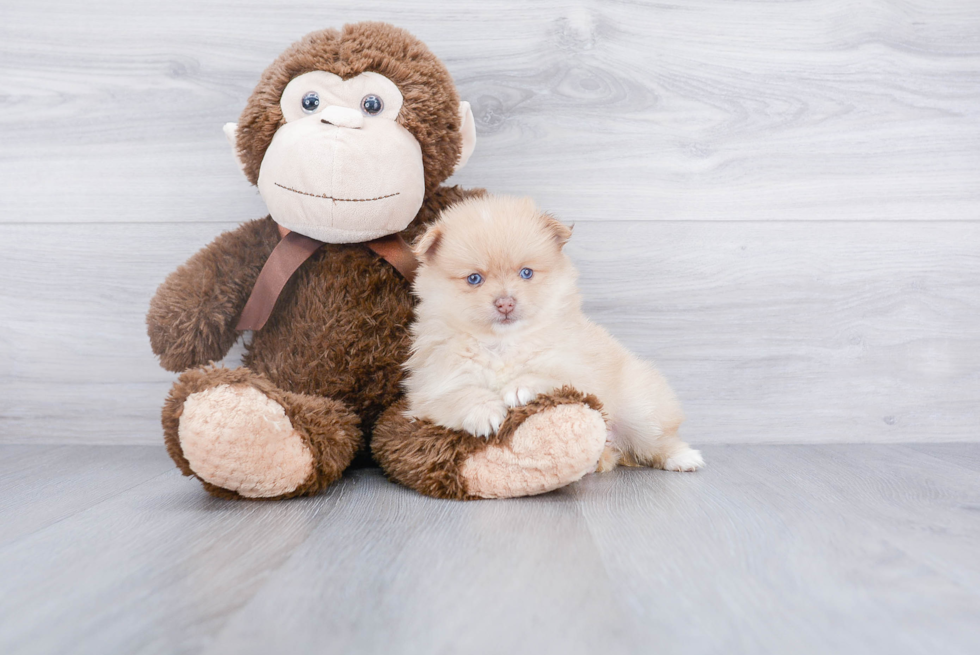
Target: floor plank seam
81 512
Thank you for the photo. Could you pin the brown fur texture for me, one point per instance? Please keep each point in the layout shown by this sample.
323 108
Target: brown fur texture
192 317
339 329
430 111
327 427
332 351
430 461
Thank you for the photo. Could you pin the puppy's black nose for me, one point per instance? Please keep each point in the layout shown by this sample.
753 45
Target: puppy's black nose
505 304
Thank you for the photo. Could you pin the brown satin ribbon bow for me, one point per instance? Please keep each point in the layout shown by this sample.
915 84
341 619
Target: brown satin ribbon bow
290 253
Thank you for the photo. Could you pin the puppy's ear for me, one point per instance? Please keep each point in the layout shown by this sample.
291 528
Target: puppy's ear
561 232
427 245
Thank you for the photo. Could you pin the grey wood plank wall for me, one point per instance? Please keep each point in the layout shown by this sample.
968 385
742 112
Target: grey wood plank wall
777 201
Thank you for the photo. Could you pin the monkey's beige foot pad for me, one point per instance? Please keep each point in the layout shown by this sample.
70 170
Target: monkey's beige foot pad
237 438
550 449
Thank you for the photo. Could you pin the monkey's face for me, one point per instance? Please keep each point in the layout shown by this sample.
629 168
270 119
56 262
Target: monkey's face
348 130
341 169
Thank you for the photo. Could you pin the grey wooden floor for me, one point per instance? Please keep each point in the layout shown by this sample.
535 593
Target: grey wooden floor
783 549
777 201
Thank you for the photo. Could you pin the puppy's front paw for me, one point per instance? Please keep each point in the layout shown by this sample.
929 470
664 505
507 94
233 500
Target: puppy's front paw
687 460
484 419
518 396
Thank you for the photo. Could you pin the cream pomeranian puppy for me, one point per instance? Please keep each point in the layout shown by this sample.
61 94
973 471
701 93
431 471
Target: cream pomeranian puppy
499 321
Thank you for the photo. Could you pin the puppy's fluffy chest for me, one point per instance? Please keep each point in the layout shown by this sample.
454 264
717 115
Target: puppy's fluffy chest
500 361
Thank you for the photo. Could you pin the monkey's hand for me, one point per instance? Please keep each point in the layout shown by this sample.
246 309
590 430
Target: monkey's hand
193 314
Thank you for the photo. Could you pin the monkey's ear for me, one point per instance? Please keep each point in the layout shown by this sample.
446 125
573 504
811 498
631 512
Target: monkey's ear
231 133
467 129
425 248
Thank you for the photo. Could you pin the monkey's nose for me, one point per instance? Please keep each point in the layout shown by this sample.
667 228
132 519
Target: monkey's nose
342 117
505 304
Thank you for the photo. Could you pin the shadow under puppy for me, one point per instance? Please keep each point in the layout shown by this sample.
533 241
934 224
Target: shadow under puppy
499 321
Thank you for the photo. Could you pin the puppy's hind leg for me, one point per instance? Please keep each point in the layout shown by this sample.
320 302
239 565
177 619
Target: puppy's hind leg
667 452
650 418
678 456
609 459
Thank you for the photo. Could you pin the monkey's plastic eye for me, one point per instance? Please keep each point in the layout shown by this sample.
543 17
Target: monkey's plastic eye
475 279
526 273
372 105
311 102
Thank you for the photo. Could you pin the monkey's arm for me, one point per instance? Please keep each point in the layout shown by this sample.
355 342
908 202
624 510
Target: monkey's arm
193 314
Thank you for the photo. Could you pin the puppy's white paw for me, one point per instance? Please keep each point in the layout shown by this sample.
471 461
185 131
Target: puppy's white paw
688 460
484 419
518 396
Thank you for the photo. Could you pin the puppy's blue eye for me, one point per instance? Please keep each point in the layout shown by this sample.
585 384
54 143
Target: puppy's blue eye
475 279
311 101
526 273
372 105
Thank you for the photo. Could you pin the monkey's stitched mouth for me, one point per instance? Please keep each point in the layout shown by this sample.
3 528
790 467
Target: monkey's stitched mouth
326 197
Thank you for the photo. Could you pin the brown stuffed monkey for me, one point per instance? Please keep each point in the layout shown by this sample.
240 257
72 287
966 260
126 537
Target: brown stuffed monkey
348 136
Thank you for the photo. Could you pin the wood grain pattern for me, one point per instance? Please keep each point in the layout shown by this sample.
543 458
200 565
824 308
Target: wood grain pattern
182 560
479 578
613 110
41 486
779 548
802 549
951 453
777 201
781 332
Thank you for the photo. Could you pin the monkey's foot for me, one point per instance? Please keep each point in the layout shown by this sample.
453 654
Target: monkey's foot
239 439
550 449
243 437
551 441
